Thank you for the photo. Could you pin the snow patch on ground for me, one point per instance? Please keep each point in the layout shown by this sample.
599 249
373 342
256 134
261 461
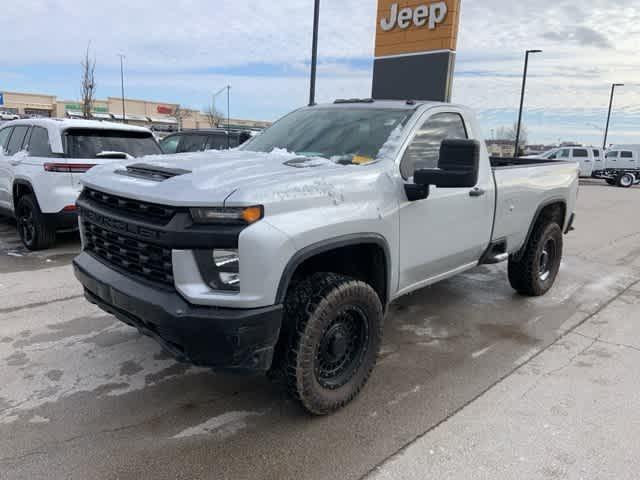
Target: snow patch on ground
224 425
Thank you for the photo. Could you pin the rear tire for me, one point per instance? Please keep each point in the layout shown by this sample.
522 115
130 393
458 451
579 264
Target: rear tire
535 272
32 227
626 180
331 338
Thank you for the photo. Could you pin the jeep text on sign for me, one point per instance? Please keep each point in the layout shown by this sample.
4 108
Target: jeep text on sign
414 26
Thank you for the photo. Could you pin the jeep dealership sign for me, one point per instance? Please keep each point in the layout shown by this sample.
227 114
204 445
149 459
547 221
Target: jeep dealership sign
415 49
419 16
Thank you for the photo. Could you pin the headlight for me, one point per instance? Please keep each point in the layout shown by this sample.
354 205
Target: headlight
237 215
220 268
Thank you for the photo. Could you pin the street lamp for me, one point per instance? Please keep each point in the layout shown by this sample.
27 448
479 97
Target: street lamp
524 84
606 129
228 89
122 57
314 54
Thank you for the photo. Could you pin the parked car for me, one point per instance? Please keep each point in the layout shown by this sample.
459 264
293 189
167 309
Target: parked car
41 161
588 158
622 166
203 139
284 254
4 115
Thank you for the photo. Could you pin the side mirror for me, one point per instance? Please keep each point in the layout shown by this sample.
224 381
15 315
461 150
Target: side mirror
457 168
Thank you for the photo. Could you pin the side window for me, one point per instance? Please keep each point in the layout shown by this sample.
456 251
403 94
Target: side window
17 139
626 154
424 150
580 153
170 144
39 143
191 143
596 153
218 142
566 153
613 154
5 133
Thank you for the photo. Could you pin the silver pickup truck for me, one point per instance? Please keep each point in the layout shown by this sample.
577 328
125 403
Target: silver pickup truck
281 256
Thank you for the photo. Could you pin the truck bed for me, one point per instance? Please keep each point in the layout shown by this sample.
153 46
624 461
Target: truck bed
524 185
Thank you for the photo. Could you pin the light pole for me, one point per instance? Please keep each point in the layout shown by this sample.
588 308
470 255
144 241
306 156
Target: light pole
524 85
606 129
228 117
228 89
122 57
314 53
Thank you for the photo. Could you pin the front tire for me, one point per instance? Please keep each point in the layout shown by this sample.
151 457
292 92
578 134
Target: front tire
535 272
32 227
333 331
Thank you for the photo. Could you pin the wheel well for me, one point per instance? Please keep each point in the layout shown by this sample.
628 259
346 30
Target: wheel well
363 261
20 189
553 213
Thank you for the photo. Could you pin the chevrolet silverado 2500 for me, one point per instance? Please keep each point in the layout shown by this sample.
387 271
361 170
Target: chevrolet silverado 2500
282 255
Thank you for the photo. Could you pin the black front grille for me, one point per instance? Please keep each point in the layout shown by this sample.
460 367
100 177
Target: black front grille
143 259
142 210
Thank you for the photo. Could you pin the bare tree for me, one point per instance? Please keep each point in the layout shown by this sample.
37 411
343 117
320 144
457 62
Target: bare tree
509 133
181 114
212 115
88 83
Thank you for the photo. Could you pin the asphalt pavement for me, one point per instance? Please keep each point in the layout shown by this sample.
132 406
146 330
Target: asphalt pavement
84 396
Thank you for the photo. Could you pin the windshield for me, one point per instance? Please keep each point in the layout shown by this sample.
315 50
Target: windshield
344 135
85 143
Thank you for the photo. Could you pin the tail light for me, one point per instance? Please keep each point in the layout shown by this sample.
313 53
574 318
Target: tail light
68 167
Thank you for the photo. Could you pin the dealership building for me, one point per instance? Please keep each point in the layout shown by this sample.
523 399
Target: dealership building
159 116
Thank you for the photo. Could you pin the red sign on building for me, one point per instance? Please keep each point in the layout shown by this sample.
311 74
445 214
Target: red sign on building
163 109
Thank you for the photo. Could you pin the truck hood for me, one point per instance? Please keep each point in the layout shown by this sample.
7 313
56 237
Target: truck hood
227 177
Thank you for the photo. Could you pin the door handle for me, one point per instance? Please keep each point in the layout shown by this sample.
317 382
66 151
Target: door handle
477 192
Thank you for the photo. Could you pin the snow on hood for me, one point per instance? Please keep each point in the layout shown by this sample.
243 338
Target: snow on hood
216 175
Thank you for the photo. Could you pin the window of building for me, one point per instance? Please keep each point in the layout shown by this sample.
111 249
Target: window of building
39 143
17 139
580 153
424 150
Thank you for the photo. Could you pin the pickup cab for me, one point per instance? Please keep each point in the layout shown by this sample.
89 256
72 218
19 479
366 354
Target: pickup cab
589 159
282 256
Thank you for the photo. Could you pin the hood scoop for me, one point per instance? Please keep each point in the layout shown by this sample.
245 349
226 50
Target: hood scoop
152 172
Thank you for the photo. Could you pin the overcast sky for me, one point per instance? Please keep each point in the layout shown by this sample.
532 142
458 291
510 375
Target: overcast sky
183 50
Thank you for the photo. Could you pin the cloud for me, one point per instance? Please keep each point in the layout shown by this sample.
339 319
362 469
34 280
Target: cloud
580 35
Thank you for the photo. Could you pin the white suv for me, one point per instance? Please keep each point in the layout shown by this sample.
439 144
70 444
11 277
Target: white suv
41 161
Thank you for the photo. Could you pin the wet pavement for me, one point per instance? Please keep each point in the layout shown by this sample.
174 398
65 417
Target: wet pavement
84 396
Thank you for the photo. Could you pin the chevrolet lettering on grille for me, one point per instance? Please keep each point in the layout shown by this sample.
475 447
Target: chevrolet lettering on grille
119 225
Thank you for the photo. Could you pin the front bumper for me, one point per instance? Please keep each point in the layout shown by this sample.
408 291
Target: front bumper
221 338
62 220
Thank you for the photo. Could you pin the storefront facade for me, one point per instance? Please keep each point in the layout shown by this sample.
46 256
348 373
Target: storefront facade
159 116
